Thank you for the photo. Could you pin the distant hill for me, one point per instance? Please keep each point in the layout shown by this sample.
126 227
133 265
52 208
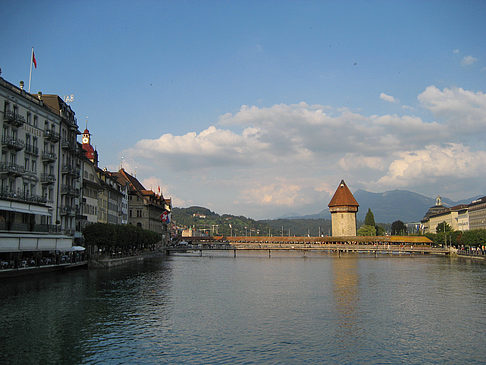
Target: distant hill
390 206
387 207
404 205
393 205
207 221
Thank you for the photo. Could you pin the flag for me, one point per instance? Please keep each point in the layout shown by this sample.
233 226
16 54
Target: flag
165 217
33 59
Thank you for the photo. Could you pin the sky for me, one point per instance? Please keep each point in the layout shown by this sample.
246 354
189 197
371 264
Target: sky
260 108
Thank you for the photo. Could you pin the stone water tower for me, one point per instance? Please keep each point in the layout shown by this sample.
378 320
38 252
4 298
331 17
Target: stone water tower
343 208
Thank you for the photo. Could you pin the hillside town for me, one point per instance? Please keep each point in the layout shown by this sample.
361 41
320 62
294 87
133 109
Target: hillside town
51 184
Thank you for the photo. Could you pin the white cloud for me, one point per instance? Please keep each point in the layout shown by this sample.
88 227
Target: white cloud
468 60
455 51
265 161
211 147
280 193
463 110
354 161
433 163
387 98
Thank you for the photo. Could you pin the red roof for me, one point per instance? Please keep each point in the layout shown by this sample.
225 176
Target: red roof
343 197
124 177
89 151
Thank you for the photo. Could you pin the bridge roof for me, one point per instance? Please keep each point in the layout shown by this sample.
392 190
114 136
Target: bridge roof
329 239
343 197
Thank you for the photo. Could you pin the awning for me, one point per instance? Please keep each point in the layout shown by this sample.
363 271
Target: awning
24 208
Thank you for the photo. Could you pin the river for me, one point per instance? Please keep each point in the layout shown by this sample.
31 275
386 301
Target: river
252 309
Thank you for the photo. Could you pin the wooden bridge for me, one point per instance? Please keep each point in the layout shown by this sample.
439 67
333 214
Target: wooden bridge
375 245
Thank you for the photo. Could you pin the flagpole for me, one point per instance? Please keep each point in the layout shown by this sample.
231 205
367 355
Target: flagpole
31 60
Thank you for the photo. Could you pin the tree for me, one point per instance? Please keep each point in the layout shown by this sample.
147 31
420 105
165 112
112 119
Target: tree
398 228
443 227
366 230
380 231
370 218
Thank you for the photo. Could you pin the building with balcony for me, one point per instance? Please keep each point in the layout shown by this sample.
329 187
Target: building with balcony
30 178
91 187
145 207
111 199
104 199
61 152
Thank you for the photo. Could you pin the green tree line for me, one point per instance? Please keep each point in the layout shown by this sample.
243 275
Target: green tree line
123 236
476 237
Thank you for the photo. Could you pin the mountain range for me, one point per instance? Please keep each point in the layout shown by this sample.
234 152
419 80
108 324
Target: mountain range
391 205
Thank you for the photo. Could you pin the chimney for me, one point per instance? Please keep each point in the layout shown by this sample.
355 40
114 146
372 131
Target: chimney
21 85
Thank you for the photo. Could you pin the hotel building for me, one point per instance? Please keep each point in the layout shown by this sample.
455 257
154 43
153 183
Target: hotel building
39 171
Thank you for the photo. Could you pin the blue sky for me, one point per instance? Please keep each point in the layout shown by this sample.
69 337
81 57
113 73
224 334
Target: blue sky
260 108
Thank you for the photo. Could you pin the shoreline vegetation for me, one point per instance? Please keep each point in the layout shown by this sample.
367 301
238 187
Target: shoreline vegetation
104 239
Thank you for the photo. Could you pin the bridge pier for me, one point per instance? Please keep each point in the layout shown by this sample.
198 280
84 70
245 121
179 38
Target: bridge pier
234 252
269 254
200 253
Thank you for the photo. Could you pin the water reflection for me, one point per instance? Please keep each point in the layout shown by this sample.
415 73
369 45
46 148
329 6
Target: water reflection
346 301
65 318
347 309
345 280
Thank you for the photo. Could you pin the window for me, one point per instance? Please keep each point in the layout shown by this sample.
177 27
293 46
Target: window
27 139
130 213
35 120
34 142
34 165
27 164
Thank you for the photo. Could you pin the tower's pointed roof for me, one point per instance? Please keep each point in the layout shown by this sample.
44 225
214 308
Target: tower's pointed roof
343 197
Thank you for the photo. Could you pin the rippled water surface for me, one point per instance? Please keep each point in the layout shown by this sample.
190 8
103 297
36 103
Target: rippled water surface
252 309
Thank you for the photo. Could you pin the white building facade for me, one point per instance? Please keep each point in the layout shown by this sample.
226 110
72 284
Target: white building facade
30 174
